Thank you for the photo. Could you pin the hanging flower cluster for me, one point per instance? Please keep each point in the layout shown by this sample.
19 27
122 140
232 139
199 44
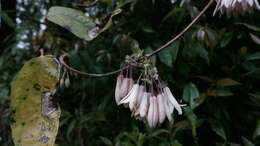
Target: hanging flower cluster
149 99
240 6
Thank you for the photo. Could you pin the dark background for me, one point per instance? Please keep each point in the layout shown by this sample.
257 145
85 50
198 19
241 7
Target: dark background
223 67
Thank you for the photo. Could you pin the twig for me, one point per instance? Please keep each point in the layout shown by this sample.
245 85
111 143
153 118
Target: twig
90 4
182 32
61 59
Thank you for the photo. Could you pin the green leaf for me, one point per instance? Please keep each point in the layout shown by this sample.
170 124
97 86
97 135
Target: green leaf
176 143
251 27
257 130
194 49
106 141
225 39
72 125
171 14
159 132
7 19
253 56
169 54
203 53
175 49
141 139
247 142
166 57
218 129
212 37
148 50
200 99
192 120
73 20
190 93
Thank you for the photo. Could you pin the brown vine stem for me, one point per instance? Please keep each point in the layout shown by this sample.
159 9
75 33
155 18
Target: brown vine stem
182 32
61 59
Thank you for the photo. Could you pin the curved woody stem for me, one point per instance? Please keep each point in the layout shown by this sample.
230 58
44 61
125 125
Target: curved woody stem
61 59
147 55
182 32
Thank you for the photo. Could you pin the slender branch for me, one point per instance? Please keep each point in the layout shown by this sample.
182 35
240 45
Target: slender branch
90 4
61 59
182 32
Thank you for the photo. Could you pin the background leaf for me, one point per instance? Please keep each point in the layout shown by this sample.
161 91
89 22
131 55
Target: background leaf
257 130
190 93
218 129
223 64
226 82
169 54
106 141
254 56
73 20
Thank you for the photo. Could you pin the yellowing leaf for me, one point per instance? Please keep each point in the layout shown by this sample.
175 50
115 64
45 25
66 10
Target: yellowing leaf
220 92
227 82
35 118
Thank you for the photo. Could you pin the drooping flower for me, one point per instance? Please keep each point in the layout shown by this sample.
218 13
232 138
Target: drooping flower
153 114
235 6
130 83
131 98
161 109
119 91
172 99
124 83
139 98
149 100
143 108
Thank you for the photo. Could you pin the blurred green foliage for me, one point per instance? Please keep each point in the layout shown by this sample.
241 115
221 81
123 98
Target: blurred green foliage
216 74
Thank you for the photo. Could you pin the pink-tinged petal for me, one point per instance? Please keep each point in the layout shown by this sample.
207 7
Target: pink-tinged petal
250 2
118 96
167 110
144 105
136 111
139 96
130 83
132 102
257 5
172 100
124 88
130 95
161 111
155 112
150 112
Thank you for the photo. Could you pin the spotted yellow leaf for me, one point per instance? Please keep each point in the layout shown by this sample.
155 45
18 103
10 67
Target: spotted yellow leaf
34 114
